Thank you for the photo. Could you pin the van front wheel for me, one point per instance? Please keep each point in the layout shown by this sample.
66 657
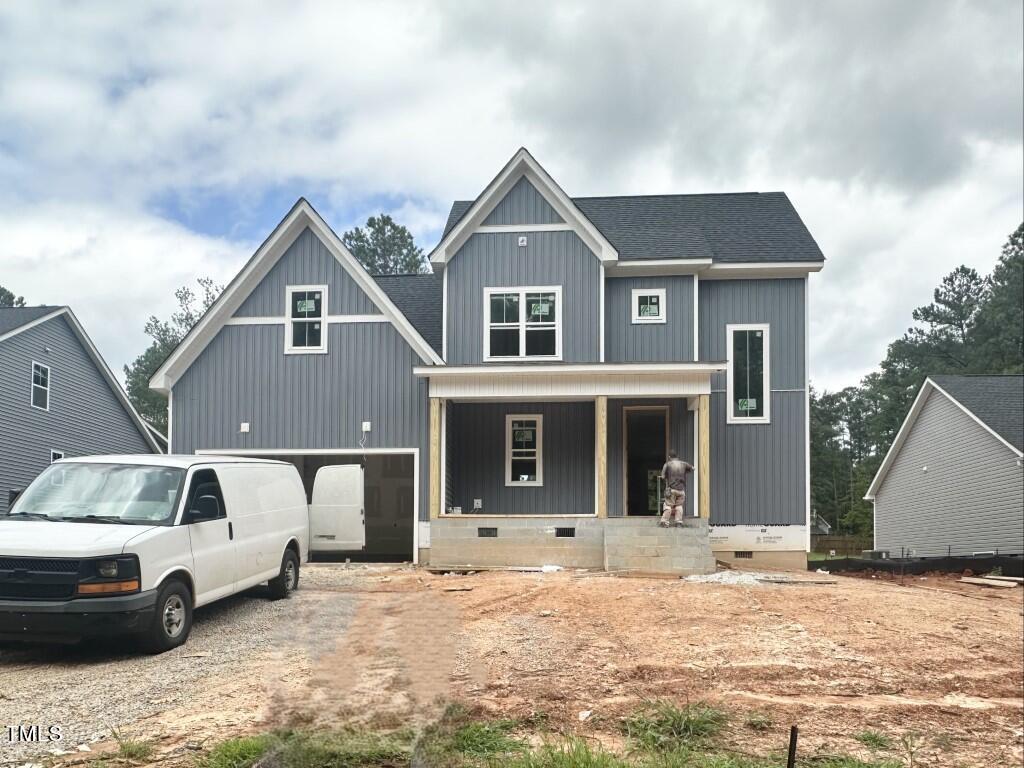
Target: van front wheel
287 581
172 622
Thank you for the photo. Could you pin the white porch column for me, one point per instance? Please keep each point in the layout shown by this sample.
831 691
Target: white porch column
601 454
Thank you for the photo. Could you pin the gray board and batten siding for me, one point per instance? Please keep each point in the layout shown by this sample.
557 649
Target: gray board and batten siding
629 342
496 260
759 472
85 416
523 205
970 498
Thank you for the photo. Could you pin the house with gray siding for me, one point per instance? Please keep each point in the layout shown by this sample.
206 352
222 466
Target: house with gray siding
516 405
58 398
953 480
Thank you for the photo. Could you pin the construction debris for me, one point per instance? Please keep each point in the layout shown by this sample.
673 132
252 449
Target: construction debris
987 582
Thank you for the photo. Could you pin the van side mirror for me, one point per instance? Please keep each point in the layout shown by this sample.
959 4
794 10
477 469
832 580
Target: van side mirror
204 508
12 496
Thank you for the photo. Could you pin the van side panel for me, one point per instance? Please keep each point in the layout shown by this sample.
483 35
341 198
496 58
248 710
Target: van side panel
161 550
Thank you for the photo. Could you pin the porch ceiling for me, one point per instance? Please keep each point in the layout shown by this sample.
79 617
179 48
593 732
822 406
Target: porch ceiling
569 381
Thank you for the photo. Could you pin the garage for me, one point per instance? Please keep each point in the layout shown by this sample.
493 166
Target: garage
389 499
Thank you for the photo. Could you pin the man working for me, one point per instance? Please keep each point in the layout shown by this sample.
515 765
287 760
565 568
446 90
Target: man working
674 475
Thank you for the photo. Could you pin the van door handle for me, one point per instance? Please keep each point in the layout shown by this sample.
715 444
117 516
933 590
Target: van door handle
231 532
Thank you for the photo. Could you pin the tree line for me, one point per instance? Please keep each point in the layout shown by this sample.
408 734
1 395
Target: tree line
974 324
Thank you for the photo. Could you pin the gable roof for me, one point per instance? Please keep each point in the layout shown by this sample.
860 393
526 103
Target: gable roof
522 165
420 298
741 227
998 401
298 219
12 318
33 316
994 402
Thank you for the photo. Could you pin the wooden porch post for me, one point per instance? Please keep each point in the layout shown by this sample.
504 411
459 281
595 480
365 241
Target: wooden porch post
434 466
601 453
704 458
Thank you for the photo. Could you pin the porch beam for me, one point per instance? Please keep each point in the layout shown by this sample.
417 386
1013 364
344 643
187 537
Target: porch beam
435 458
601 453
704 454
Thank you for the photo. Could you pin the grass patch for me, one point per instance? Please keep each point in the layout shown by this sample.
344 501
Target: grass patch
463 738
129 748
661 726
845 761
759 721
485 739
301 749
874 740
571 753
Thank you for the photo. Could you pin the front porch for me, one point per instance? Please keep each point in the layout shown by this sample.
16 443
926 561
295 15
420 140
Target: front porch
560 465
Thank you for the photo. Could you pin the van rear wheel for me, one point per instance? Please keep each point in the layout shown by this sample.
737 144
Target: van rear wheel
172 621
287 581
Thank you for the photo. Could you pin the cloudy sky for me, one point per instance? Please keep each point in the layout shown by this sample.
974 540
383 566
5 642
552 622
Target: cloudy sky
145 144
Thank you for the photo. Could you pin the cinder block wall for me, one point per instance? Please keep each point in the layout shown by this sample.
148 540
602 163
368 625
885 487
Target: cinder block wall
520 541
614 544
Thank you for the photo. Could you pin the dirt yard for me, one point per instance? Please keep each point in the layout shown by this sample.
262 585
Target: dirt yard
387 646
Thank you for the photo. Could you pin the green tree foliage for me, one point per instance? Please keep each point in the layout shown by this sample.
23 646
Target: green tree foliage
8 299
973 325
165 335
385 247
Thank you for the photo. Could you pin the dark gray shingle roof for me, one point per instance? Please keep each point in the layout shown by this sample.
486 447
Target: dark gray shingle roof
419 298
997 400
735 227
15 317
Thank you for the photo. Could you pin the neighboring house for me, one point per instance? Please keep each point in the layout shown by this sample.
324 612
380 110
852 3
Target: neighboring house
524 396
953 482
58 398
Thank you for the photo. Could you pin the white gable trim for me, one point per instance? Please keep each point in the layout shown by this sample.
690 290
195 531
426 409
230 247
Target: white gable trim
523 164
915 410
101 366
301 216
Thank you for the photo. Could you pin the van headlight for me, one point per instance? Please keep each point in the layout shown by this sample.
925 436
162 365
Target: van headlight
107 568
109 576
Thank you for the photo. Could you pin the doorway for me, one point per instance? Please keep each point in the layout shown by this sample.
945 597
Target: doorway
645 449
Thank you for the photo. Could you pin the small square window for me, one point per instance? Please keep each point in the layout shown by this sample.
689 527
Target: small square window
648 305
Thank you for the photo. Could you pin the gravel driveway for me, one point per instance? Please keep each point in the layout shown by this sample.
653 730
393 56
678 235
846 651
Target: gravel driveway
89 689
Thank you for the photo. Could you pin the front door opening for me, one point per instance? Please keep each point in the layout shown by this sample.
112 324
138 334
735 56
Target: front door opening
646 449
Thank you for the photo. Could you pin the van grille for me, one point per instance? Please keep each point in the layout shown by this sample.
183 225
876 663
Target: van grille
35 578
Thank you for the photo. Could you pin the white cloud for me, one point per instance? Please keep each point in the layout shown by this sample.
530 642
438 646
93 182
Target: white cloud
113 269
894 127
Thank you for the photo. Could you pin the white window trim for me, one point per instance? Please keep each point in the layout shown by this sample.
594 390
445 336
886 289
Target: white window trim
522 291
729 417
509 418
56 455
32 386
288 348
635 306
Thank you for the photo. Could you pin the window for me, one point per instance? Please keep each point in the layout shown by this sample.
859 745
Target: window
56 456
648 305
748 387
40 387
307 319
523 449
523 323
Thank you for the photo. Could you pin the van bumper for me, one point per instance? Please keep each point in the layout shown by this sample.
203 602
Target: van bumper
71 620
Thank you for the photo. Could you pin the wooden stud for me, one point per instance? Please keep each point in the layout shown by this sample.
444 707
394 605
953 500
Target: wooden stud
601 452
704 436
435 458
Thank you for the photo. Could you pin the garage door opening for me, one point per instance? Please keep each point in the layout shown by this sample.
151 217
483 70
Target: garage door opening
388 498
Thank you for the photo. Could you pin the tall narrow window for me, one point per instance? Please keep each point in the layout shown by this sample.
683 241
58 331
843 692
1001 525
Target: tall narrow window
307 319
40 387
749 392
523 449
523 323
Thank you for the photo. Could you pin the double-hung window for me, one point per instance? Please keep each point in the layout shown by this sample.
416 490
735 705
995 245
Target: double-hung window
40 386
306 331
648 305
523 323
748 387
524 435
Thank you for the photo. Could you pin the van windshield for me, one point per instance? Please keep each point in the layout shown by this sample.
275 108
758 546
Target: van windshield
115 493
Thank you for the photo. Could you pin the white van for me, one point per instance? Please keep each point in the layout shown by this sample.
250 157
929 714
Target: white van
132 544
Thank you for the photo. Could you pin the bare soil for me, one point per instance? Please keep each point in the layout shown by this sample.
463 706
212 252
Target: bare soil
386 647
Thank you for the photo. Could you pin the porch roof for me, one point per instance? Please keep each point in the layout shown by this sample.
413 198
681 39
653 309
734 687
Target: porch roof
569 380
